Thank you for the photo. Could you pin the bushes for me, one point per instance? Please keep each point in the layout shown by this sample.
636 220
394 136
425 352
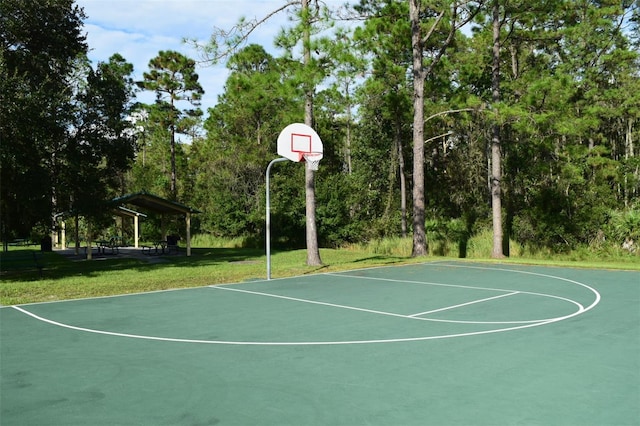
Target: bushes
606 234
456 238
624 229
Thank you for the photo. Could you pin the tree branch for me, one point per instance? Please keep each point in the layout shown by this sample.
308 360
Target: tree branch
233 38
450 111
433 28
452 32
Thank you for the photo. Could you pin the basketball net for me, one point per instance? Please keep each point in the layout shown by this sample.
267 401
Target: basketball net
312 159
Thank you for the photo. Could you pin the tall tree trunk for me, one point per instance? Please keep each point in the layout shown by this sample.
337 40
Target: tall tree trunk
403 182
420 74
174 191
391 180
76 234
89 240
348 135
313 251
628 153
419 236
496 152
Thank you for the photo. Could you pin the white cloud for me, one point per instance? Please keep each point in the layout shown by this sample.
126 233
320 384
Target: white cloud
139 29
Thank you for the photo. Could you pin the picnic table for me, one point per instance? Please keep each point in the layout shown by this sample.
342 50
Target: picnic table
111 243
163 246
158 246
21 242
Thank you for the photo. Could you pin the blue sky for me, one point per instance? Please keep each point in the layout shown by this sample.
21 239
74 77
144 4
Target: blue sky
139 29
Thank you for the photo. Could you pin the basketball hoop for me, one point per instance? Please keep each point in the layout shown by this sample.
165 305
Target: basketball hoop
312 159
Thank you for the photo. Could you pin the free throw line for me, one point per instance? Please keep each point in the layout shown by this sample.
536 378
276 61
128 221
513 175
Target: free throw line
315 302
464 304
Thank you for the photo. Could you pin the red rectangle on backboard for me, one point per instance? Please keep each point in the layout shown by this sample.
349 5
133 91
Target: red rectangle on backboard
300 143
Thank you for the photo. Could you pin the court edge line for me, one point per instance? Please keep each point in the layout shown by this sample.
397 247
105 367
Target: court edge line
338 273
399 340
316 343
138 293
258 280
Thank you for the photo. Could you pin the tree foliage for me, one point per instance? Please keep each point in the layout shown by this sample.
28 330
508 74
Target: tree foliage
100 145
453 102
173 78
242 130
39 41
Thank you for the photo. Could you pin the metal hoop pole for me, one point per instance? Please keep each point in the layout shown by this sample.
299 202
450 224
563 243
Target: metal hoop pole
268 216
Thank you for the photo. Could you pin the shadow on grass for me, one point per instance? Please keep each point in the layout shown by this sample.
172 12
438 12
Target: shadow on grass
368 261
59 266
387 260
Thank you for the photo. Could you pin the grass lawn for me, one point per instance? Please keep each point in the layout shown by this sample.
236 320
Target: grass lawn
64 278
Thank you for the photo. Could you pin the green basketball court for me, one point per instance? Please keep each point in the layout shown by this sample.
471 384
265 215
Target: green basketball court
442 343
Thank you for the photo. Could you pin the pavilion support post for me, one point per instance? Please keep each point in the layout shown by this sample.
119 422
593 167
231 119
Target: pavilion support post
76 235
136 230
163 228
119 227
54 237
63 234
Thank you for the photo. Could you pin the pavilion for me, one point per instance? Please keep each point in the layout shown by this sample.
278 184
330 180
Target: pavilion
127 206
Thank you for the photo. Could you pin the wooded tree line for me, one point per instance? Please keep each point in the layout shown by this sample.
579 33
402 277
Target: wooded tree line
526 123
65 144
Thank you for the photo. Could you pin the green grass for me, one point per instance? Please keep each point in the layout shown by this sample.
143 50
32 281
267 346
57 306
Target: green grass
227 263
67 279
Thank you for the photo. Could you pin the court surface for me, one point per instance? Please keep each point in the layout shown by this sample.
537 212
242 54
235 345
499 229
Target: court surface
442 343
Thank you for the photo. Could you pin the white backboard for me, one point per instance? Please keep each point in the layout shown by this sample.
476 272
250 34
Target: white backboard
298 139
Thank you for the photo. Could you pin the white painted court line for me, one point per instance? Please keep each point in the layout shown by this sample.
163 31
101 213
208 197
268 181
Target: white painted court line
283 343
430 283
465 304
520 324
581 308
315 302
538 274
417 316
108 333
